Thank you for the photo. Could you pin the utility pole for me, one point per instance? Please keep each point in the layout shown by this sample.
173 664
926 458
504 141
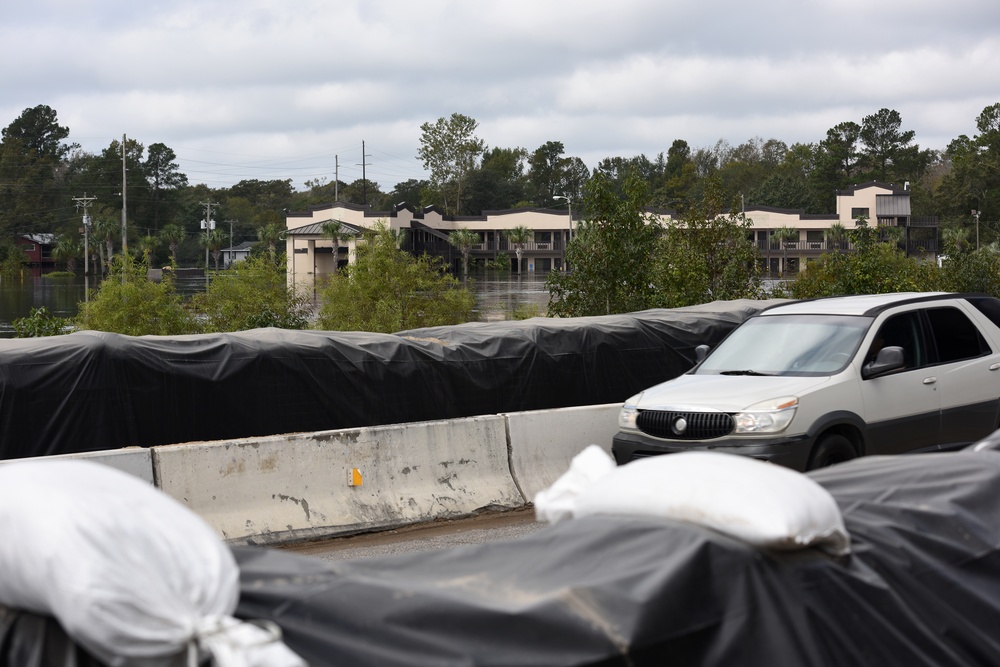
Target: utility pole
364 177
336 177
230 242
208 225
124 235
84 202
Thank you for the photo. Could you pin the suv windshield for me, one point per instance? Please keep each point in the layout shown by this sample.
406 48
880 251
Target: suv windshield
788 345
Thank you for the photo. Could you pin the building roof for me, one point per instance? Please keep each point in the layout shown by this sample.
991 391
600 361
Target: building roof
316 229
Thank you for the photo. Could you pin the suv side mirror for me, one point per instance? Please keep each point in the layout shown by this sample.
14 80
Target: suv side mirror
701 352
889 359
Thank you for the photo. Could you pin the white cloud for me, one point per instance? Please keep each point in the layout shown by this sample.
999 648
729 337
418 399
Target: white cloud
259 89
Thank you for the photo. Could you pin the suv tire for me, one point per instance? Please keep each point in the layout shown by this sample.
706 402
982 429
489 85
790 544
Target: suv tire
830 449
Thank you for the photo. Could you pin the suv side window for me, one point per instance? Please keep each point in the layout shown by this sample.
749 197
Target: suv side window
901 330
955 336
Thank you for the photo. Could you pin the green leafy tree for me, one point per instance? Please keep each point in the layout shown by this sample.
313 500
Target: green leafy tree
449 150
67 249
519 236
105 230
707 256
32 188
165 179
464 239
270 235
887 151
612 256
173 235
785 236
147 248
388 290
253 294
875 267
336 232
128 303
213 240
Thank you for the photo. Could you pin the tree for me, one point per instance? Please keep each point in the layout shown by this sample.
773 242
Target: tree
519 236
836 235
213 240
464 239
105 230
389 290
32 192
449 149
147 247
67 249
252 295
269 235
887 151
612 258
873 268
173 235
337 232
707 256
128 303
164 177
785 236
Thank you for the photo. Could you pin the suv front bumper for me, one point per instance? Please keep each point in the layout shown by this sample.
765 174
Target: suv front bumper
789 451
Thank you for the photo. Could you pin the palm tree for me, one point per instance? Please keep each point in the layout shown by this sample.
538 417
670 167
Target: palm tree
335 230
836 235
464 239
269 235
172 235
105 231
954 240
147 246
67 250
213 241
519 236
784 236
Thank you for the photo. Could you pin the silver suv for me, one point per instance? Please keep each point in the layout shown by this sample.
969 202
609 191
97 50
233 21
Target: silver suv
811 383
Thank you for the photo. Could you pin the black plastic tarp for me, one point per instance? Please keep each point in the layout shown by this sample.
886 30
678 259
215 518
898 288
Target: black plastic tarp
92 391
922 587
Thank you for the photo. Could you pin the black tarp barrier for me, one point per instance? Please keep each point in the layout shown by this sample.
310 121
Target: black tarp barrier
921 587
91 391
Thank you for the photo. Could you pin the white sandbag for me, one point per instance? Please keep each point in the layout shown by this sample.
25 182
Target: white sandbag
766 505
558 501
132 575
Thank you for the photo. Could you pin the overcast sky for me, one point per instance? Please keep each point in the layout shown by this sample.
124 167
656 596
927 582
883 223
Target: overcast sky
252 89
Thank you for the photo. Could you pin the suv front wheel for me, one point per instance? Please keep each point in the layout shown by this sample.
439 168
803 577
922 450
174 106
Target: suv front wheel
830 449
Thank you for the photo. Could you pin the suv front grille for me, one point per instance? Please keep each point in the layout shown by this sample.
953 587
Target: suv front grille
685 425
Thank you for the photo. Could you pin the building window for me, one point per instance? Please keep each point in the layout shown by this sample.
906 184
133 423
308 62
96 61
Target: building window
859 212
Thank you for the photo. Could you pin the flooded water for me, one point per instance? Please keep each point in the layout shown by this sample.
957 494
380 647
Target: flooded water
499 296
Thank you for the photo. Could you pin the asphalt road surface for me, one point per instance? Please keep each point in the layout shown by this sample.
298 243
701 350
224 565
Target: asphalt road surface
442 534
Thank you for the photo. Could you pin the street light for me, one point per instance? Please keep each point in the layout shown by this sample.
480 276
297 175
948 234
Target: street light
569 210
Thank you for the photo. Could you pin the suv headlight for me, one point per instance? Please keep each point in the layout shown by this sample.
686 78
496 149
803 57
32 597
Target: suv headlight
629 413
770 416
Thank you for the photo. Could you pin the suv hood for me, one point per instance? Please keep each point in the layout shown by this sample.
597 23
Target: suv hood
726 393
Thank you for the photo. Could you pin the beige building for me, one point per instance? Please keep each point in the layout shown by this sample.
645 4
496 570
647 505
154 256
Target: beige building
311 254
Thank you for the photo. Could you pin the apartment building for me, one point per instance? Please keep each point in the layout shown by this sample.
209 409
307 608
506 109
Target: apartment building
311 254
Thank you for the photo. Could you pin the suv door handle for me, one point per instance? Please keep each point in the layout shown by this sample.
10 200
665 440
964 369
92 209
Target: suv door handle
994 367
930 380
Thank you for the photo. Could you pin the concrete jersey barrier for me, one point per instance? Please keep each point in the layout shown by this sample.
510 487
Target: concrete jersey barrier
306 486
544 442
